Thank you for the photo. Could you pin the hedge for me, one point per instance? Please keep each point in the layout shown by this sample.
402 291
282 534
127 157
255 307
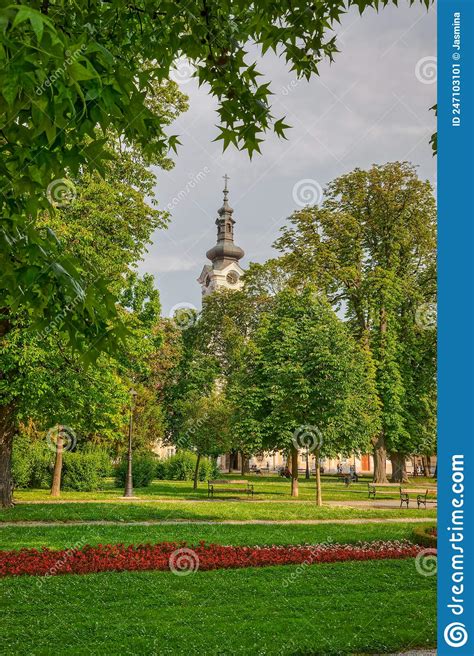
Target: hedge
33 463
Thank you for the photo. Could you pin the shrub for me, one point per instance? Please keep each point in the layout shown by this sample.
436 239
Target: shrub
208 469
32 463
426 536
85 471
161 470
181 466
143 470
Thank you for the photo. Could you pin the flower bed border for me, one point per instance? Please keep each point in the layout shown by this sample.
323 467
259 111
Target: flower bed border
182 558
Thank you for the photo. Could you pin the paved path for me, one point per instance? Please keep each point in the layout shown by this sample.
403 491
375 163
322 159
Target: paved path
340 503
223 522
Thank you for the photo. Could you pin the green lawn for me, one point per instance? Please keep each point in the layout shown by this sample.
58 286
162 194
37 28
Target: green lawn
343 608
266 487
230 510
60 537
326 609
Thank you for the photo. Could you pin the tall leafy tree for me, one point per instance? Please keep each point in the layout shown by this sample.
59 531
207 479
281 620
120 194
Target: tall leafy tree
106 227
205 426
371 247
306 382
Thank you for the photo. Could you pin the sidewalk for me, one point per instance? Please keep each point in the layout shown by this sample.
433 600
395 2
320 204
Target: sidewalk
235 522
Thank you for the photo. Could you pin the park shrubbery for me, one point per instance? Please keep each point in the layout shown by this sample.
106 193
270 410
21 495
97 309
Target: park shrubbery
181 466
85 471
143 469
33 463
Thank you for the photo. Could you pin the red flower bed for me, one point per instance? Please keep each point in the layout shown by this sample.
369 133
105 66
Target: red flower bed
181 559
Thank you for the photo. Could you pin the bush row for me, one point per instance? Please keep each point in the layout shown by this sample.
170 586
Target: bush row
33 464
180 467
84 471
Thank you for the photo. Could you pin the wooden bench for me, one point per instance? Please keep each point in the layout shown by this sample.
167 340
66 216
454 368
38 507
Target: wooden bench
229 486
404 494
421 498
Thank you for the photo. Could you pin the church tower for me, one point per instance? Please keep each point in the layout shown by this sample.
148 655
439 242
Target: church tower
225 270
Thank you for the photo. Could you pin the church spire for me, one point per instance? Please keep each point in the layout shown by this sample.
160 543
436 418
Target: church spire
225 251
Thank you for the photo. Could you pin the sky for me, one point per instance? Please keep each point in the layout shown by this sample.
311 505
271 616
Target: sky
372 105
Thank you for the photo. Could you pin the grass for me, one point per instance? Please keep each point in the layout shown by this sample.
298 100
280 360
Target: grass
343 608
266 487
230 510
61 537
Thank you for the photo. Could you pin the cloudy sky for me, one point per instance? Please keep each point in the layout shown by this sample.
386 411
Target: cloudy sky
370 106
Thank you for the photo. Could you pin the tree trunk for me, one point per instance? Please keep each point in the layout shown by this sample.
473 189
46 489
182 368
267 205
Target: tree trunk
380 460
7 433
58 466
244 464
319 497
294 471
399 470
426 466
196 472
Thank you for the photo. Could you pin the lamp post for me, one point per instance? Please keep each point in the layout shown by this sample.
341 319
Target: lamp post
129 478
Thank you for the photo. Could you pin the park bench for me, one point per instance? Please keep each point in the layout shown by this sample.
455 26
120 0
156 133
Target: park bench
229 486
404 494
421 498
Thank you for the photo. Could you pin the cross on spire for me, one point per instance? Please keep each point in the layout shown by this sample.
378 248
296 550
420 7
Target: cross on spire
226 191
